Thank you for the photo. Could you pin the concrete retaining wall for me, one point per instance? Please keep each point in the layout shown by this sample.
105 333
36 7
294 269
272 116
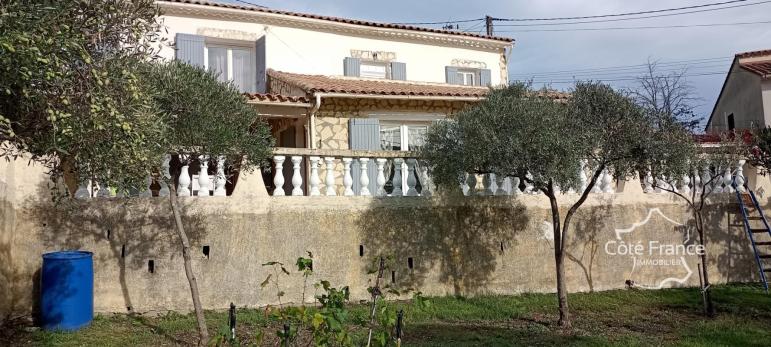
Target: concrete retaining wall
458 245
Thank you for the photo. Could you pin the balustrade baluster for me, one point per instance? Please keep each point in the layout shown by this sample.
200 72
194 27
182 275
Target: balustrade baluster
426 184
685 184
499 182
203 176
648 181
278 177
363 177
529 189
582 179
84 190
607 182
219 179
397 181
297 178
330 179
727 178
347 178
515 186
381 179
706 177
183 188
412 180
697 181
315 180
471 181
740 179
165 176
147 190
487 183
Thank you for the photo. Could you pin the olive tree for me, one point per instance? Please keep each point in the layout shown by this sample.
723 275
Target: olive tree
206 119
520 132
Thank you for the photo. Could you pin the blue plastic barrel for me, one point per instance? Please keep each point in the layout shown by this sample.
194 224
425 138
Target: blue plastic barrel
67 290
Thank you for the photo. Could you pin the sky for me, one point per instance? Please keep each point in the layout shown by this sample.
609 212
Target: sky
614 56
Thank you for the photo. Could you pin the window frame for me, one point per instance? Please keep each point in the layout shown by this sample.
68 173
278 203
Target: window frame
386 67
475 74
229 46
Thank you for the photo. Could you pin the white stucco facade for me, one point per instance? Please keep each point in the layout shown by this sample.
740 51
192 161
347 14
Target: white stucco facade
745 96
314 46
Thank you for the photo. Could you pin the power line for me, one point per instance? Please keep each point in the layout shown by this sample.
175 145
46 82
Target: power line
628 78
611 73
635 18
249 3
638 66
593 16
619 14
636 28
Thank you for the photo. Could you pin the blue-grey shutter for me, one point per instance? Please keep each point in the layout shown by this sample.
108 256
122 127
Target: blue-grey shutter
451 74
364 134
259 58
484 77
189 48
398 71
352 67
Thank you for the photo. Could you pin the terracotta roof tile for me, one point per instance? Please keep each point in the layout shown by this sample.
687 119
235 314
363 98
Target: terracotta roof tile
338 19
328 84
277 98
753 54
762 68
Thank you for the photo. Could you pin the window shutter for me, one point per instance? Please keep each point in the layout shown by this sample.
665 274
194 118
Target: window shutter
352 67
398 71
259 59
364 134
189 48
484 77
451 74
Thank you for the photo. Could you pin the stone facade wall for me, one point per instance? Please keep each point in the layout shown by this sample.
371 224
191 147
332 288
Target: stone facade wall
457 245
332 133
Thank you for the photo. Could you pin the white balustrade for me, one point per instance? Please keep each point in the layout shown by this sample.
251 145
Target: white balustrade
347 178
706 178
147 189
297 178
315 181
219 179
582 179
528 185
278 177
203 176
696 181
685 184
381 180
330 179
397 181
363 177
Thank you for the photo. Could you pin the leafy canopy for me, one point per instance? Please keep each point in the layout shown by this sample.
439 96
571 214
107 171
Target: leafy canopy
521 132
205 116
69 95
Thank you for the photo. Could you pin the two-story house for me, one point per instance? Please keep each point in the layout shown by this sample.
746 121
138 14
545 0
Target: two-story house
331 83
745 100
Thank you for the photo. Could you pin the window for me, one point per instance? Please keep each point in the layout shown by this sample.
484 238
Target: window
467 78
731 124
402 137
232 63
370 69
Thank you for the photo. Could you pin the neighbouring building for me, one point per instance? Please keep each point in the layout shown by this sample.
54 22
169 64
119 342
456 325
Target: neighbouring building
745 100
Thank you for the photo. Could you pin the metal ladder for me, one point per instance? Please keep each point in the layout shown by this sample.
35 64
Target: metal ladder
748 198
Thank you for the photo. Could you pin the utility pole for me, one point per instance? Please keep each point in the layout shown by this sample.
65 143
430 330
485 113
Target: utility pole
489 25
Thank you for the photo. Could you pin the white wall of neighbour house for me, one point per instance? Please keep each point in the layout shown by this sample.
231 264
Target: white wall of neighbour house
308 51
766 92
741 96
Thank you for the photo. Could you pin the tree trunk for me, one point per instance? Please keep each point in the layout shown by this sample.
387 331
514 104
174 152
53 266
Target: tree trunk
559 260
709 308
203 332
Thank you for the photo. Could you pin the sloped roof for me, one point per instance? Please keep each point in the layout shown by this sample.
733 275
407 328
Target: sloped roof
345 85
276 98
753 54
337 19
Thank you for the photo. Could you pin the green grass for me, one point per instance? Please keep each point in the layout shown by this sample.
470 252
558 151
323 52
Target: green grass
669 317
